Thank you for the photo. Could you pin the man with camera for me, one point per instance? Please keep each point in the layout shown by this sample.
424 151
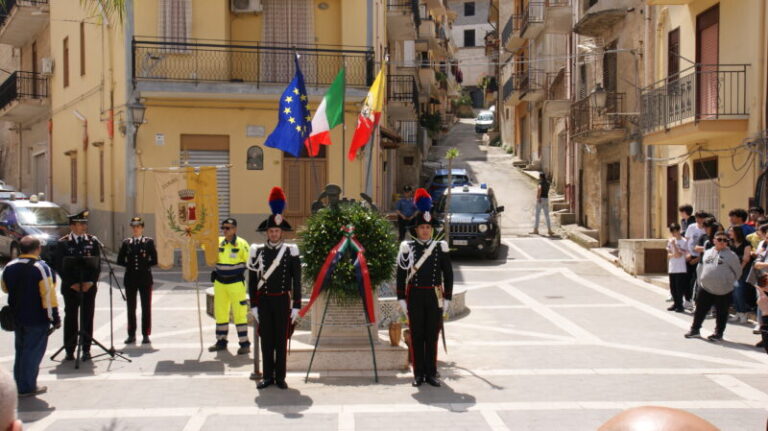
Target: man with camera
77 284
30 285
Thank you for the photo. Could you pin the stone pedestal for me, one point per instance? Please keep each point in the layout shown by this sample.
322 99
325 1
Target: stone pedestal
345 322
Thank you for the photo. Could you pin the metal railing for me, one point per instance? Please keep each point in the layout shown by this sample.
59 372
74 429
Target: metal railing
510 28
23 85
532 80
587 118
701 92
533 14
256 63
510 86
557 85
409 132
406 5
403 88
5 10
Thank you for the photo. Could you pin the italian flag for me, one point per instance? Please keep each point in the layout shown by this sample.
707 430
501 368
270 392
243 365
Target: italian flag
329 114
369 116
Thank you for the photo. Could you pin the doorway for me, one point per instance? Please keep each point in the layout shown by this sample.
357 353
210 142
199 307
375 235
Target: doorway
304 178
672 201
613 186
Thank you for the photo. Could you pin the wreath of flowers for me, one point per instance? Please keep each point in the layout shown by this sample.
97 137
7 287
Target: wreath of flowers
186 230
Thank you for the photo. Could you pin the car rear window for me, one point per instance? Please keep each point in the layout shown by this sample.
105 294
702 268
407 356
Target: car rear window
457 180
42 216
465 203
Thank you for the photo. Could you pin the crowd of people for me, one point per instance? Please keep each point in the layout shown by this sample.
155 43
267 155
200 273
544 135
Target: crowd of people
714 267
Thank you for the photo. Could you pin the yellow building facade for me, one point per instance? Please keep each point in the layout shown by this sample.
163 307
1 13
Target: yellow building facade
208 77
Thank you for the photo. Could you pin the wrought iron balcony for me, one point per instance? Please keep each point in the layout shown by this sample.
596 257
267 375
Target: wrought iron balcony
557 103
510 36
595 125
701 92
402 96
403 19
162 60
532 85
532 21
23 96
509 87
22 20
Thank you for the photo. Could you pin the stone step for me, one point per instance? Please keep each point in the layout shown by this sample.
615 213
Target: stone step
519 164
564 218
579 235
559 206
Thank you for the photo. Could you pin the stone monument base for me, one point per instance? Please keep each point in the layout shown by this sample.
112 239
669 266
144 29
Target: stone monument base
345 357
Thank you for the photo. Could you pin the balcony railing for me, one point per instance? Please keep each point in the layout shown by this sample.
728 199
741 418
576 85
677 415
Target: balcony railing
510 28
406 5
587 118
532 80
6 9
403 88
510 86
161 60
557 85
533 14
23 85
701 92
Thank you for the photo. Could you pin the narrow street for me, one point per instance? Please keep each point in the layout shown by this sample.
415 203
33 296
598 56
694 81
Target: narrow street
555 338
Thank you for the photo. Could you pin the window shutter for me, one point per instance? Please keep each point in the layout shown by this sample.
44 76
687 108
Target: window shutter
289 23
175 22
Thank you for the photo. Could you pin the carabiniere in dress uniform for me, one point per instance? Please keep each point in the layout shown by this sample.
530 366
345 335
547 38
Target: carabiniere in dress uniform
424 290
138 255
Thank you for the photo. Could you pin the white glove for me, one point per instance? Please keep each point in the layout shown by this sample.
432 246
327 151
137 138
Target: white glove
294 315
404 306
446 307
255 314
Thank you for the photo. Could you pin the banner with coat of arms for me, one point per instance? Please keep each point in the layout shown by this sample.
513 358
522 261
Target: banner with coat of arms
187 215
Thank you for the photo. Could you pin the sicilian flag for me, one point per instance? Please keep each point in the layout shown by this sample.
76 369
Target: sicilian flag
369 116
329 114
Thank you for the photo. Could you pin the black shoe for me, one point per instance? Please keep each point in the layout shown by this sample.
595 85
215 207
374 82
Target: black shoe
38 391
130 340
417 382
671 308
282 385
715 337
760 344
86 357
217 347
265 383
244 350
145 339
680 310
434 381
69 357
693 334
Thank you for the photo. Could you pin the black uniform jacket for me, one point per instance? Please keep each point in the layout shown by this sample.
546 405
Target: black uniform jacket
285 279
138 256
66 246
435 271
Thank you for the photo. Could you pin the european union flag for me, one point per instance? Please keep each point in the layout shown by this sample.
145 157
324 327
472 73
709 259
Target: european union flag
294 123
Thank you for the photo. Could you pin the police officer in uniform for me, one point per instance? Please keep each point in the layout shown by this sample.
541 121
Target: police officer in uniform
275 290
229 288
78 243
138 255
424 289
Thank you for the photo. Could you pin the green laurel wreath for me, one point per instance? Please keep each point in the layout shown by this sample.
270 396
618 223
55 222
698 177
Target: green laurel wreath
188 231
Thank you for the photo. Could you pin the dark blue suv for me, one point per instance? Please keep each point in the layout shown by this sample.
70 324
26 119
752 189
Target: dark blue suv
439 182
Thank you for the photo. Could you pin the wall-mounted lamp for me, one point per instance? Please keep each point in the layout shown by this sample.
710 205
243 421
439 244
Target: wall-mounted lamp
599 97
70 153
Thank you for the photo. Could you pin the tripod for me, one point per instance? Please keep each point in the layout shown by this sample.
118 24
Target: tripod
111 352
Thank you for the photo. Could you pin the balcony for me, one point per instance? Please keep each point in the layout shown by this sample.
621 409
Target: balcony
402 96
510 36
532 21
532 85
702 100
24 97
602 17
510 91
22 20
595 126
403 19
558 17
165 66
557 103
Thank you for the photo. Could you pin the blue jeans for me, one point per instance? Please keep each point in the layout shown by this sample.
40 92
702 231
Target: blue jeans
743 296
542 205
31 342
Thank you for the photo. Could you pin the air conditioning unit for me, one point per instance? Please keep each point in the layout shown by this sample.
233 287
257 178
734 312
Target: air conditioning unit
245 6
47 65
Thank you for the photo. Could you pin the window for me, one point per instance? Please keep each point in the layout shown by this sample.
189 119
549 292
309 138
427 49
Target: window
613 172
469 8
469 38
73 179
673 53
82 49
65 55
705 169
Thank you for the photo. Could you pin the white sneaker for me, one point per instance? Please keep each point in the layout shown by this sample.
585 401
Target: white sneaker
688 305
756 329
742 318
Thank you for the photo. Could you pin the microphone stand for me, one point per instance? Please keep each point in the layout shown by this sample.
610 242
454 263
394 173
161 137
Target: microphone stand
111 352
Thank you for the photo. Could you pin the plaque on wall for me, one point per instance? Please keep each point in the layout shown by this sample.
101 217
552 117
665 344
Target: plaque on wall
255 158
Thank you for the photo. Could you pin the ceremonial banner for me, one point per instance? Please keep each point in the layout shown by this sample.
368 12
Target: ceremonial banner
187 216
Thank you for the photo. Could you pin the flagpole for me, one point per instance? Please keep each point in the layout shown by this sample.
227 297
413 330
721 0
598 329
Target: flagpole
344 135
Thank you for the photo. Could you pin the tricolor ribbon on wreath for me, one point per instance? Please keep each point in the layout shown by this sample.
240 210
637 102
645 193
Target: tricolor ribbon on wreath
361 272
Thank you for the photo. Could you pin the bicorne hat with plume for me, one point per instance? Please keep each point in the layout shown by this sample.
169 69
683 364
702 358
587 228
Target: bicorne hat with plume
423 202
277 206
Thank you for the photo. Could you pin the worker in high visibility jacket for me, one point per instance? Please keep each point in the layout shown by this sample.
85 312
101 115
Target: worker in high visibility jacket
229 290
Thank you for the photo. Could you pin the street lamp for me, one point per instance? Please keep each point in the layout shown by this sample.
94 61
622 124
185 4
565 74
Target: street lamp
599 97
137 114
